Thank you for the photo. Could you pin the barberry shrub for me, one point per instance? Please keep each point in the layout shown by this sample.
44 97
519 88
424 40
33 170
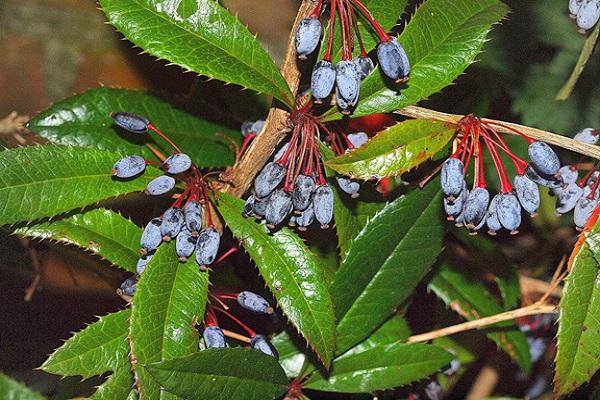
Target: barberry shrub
372 257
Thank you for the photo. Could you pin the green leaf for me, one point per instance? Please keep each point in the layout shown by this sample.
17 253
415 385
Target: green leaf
13 390
393 331
118 386
100 231
43 181
386 12
291 357
200 36
441 40
578 354
471 299
84 120
100 347
396 150
170 296
389 257
380 368
222 374
292 272
586 52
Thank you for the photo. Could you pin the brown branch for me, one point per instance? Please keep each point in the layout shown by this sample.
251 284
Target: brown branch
534 309
538 134
272 133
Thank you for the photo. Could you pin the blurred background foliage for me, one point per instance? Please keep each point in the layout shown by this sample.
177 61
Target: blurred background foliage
54 48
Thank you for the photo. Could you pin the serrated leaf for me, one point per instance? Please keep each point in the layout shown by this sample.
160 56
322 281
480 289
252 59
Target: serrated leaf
102 346
200 36
43 181
396 150
441 40
100 231
393 331
222 374
380 368
84 120
118 386
389 257
291 356
170 296
471 299
386 12
578 354
292 272
13 390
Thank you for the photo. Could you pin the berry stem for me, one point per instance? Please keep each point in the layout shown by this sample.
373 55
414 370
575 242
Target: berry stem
165 137
383 36
317 11
234 319
332 11
225 255
363 52
505 185
210 319
524 136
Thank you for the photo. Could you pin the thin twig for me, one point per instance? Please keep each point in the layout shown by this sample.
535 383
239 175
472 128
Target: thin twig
236 336
534 309
538 134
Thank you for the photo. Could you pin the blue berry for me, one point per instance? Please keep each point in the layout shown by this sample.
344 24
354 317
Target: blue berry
260 207
323 205
177 163
214 338
172 222
492 221
342 104
452 177
249 206
268 179
348 185
151 237
569 174
583 211
543 158
304 219
509 212
358 139
549 181
365 66
246 128
185 244
347 81
253 302
454 208
393 60
574 6
207 246
476 207
567 198
588 135
278 207
307 36
322 80
131 122
303 191
128 286
192 212
281 151
261 343
160 185
588 15
129 167
528 193
143 262
292 221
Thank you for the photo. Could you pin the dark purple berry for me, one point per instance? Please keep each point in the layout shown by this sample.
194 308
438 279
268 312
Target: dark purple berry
253 302
323 205
128 286
549 181
509 212
143 262
303 191
322 80
129 167
192 212
268 179
528 193
177 163
261 343
347 81
160 185
172 222
393 60
307 36
348 185
365 66
207 246
151 237
588 135
214 337
476 207
452 177
185 244
358 139
131 122
567 198
306 218
543 158
279 206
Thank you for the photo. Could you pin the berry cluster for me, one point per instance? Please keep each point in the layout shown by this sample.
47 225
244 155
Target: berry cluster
184 220
294 180
473 208
580 195
347 74
586 13
214 336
